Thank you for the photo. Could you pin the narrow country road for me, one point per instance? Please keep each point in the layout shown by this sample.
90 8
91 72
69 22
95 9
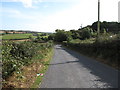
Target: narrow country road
68 69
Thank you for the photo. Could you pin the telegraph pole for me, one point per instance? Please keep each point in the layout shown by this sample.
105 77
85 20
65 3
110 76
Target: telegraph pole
98 26
81 26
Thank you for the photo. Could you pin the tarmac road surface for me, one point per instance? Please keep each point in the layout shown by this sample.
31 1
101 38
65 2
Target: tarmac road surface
69 69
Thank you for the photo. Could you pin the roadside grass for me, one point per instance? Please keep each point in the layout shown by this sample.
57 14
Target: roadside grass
44 68
16 36
27 77
0 47
91 40
0 37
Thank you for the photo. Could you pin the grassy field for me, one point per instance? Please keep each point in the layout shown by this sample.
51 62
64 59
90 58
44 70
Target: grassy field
19 36
16 36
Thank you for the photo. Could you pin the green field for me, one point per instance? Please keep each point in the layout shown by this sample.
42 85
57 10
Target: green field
16 36
0 37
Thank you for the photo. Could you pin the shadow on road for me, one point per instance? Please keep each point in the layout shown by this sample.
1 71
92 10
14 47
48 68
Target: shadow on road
105 73
63 63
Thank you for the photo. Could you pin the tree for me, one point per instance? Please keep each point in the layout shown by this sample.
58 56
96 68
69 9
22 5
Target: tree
62 35
69 36
51 37
75 34
85 33
108 26
6 32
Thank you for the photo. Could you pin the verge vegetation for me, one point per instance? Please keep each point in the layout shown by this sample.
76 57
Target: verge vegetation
21 62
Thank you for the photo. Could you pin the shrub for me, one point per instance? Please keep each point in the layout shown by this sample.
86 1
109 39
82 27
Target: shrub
15 55
107 49
51 37
60 36
86 34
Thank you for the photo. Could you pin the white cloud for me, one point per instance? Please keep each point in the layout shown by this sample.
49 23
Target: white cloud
68 19
84 13
26 3
10 11
13 13
37 1
45 6
29 3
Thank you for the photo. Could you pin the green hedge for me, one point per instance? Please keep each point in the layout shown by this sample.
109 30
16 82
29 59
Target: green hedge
107 50
15 55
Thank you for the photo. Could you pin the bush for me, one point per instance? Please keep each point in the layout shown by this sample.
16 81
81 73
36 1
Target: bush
60 36
107 49
86 34
51 37
15 55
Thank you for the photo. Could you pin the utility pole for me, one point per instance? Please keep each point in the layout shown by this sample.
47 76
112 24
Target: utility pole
81 26
118 13
98 26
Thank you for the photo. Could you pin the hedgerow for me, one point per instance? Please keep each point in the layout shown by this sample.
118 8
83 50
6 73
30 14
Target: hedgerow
108 49
15 55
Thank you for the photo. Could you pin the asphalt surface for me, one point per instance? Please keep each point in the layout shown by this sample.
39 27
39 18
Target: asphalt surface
69 69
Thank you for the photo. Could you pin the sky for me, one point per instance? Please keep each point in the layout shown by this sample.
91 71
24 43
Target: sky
119 11
49 15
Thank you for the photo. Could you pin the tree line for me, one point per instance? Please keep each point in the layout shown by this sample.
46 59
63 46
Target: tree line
87 32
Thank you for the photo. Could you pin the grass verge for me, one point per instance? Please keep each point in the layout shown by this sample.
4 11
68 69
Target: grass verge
26 76
43 69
